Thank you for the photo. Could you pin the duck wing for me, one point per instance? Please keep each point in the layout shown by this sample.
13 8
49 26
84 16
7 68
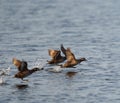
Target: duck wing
63 49
17 63
21 65
70 56
53 53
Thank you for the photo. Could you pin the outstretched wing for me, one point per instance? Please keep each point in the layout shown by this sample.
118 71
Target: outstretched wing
69 55
63 49
21 65
17 63
53 53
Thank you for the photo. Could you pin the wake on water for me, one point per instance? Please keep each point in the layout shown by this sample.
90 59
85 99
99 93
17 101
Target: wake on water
3 74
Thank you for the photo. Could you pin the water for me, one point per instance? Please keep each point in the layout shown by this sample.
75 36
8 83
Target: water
89 27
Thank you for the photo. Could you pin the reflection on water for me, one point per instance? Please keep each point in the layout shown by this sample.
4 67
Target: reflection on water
21 86
71 74
89 27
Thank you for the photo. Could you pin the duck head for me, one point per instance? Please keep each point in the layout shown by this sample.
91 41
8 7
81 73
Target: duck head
82 59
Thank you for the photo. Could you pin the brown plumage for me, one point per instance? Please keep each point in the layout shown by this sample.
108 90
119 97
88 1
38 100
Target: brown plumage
23 69
71 60
56 56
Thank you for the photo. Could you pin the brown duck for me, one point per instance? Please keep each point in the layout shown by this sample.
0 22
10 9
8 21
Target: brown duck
71 60
56 56
23 69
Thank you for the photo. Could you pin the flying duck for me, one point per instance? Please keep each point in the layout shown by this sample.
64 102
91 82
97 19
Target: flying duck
23 70
71 60
56 56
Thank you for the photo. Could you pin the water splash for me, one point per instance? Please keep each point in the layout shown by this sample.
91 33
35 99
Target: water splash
5 72
2 80
39 63
56 69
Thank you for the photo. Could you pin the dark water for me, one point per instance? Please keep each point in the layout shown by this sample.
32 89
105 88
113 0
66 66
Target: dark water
28 28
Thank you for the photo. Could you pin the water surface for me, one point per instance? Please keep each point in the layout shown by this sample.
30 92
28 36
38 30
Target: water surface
89 27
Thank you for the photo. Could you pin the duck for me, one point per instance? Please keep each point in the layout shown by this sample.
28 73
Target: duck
71 60
56 56
23 70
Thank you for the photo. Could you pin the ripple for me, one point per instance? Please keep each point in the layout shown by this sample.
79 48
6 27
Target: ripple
21 86
89 27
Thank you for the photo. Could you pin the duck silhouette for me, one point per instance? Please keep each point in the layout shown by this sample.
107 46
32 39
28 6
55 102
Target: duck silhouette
56 56
23 70
71 60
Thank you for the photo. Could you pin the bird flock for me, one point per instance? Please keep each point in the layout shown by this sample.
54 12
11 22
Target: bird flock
69 60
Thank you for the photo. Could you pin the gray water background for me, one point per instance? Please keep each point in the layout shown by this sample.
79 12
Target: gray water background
91 28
